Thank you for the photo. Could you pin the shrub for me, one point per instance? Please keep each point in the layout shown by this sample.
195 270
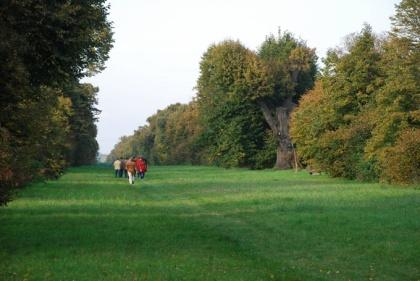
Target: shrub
401 162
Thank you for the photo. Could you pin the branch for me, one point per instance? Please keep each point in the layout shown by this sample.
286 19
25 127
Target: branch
268 116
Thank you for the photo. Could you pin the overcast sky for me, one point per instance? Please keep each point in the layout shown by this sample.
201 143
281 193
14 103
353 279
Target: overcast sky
159 44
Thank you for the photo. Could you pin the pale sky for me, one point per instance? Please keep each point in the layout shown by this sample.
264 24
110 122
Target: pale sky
159 44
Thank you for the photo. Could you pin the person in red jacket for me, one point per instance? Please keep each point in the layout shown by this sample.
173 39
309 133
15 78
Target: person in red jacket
141 167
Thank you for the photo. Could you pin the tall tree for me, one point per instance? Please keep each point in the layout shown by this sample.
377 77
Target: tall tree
349 82
44 45
231 79
291 67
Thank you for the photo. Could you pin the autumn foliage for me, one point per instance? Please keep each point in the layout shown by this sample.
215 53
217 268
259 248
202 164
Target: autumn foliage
361 121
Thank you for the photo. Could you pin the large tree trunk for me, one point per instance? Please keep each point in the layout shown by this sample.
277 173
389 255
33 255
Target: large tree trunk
278 120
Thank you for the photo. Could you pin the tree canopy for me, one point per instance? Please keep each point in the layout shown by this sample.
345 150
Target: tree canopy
45 48
362 120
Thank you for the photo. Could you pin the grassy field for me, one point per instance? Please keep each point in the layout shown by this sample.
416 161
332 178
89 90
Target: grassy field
200 223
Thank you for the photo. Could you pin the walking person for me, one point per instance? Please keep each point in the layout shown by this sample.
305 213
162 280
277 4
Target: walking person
130 166
117 167
141 167
122 169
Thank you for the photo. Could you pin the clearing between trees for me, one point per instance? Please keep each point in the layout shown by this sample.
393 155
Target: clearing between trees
205 223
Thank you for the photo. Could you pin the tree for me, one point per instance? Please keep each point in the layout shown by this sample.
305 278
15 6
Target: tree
44 46
182 130
231 79
292 67
82 119
366 108
169 138
308 123
340 118
406 22
394 143
56 41
122 149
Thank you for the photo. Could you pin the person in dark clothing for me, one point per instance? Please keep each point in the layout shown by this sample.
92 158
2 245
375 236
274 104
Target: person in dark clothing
122 170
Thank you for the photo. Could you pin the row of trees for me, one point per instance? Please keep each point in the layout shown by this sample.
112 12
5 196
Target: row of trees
47 117
361 120
240 115
170 138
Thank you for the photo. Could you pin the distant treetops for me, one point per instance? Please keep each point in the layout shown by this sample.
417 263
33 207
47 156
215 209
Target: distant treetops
358 117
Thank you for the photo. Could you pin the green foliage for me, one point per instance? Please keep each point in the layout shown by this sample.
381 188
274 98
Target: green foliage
354 72
123 149
44 47
231 80
365 112
83 131
406 23
291 66
56 41
401 162
170 138
308 122
230 71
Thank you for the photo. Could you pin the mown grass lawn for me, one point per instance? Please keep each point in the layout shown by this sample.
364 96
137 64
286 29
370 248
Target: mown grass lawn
201 223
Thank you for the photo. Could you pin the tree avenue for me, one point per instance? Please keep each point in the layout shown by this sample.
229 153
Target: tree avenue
360 120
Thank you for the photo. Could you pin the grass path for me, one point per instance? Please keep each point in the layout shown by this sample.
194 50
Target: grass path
200 223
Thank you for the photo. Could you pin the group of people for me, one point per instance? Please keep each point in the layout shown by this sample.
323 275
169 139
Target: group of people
130 168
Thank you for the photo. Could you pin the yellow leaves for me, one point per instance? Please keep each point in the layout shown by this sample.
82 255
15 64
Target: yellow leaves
401 162
415 115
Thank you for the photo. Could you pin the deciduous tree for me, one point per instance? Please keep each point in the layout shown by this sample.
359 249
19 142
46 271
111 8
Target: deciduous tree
291 66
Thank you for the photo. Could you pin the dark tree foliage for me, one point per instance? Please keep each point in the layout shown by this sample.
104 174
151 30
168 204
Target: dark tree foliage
44 46
56 40
83 131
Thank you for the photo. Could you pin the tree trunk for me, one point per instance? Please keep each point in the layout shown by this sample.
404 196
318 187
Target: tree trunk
278 120
284 158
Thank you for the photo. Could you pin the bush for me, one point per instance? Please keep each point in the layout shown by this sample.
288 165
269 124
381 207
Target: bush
401 162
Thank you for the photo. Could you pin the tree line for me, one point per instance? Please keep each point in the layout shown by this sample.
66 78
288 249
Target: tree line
357 117
47 117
